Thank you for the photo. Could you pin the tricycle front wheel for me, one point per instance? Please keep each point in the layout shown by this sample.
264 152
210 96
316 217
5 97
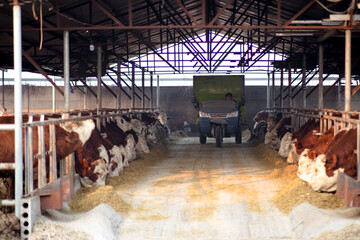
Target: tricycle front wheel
202 138
218 135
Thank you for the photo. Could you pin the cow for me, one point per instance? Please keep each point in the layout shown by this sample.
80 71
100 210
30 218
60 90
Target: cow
92 161
274 136
301 139
105 154
67 141
320 165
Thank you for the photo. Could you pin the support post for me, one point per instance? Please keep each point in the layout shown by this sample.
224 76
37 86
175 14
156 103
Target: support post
273 89
151 91
143 88
281 87
118 89
347 70
18 105
339 95
53 98
321 71
290 90
3 89
158 93
66 72
303 87
85 97
268 92
99 92
133 86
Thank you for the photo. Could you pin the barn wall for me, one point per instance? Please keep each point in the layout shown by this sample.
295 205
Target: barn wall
175 101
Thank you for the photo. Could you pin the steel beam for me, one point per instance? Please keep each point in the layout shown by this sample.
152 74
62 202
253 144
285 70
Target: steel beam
134 33
333 85
219 12
307 6
187 12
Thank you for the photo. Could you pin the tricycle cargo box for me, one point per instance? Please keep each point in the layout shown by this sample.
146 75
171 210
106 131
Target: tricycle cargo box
215 87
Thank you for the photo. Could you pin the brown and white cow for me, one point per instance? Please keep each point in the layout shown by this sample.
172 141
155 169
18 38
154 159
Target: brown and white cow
92 160
320 165
301 139
68 140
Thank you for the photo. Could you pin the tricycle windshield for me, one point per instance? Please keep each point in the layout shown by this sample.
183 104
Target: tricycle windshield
218 106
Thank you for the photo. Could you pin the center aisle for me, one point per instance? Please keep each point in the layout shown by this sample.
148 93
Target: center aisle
203 192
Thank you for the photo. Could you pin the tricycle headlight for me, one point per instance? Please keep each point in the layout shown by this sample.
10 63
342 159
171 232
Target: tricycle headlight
204 114
232 114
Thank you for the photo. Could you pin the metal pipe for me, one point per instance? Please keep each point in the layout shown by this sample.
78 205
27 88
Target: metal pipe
281 87
52 153
99 92
3 89
347 70
321 71
133 86
151 91
30 167
358 151
8 203
303 87
18 105
339 95
143 88
158 93
7 127
7 166
41 155
85 97
53 98
66 71
268 91
118 92
290 88
273 89
28 97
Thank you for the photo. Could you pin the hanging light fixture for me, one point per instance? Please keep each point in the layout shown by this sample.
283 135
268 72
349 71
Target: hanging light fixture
91 47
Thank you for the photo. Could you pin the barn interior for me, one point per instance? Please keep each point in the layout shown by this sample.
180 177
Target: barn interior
301 56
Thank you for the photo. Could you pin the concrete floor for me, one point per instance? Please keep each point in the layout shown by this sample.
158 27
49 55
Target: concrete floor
202 192
198 192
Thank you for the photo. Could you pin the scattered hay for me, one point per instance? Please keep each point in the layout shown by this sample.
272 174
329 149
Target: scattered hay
152 218
88 198
200 213
292 190
349 232
297 192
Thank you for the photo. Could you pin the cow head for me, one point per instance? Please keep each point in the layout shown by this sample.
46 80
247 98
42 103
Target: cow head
83 128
